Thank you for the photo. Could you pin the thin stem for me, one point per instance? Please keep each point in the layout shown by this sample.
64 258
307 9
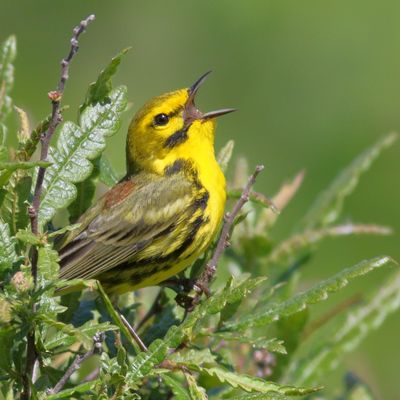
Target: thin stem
33 210
96 349
203 282
132 331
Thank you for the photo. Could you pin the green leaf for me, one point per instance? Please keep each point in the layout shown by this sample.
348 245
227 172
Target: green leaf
347 335
99 91
158 350
232 293
3 138
7 248
107 174
272 345
26 149
179 392
252 384
26 236
76 146
48 263
13 202
196 391
68 393
193 356
316 294
8 51
225 155
67 334
7 168
63 230
290 250
261 396
328 206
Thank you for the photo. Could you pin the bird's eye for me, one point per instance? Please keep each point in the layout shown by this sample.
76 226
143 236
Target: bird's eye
161 119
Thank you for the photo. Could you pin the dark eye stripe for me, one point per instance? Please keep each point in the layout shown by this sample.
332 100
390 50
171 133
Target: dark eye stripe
177 138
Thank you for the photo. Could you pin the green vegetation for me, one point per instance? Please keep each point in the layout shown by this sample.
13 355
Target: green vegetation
253 338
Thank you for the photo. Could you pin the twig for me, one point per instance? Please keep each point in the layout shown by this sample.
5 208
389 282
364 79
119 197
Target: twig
202 283
132 331
96 349
33 210
56 118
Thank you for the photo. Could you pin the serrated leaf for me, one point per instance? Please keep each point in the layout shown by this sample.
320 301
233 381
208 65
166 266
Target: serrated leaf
346 336
328 206
316 294
8 51
158 350
63 230
225 155
24 129
193 356
68 393
287 252
7 56
233 293
48 263
26 150
7 248
26 236
179 392
76 146
100 90
196 391
3 138
252 384
272 345
13 198
67 334
261 396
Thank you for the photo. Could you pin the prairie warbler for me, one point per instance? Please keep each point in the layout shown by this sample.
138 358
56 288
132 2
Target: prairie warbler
162 216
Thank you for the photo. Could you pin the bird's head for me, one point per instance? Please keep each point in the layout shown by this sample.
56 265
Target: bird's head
167 125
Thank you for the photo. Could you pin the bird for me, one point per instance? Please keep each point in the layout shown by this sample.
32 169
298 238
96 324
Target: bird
158 219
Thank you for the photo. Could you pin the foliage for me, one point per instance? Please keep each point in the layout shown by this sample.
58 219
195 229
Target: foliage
242 342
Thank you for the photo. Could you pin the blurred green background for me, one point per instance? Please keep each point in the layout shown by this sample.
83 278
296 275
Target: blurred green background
315 82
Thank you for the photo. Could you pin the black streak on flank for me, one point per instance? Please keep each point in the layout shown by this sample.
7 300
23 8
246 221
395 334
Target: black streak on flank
176 167
177 138
201 202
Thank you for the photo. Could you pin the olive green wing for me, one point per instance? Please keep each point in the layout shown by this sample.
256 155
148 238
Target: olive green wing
124 223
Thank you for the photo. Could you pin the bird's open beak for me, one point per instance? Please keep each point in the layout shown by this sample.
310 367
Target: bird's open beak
191 111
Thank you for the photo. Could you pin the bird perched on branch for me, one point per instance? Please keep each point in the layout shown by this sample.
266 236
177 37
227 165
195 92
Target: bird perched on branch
166 211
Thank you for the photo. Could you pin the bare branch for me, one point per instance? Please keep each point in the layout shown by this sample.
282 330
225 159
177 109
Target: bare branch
97 348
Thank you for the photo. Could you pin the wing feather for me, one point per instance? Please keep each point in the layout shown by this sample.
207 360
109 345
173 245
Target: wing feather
116 230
